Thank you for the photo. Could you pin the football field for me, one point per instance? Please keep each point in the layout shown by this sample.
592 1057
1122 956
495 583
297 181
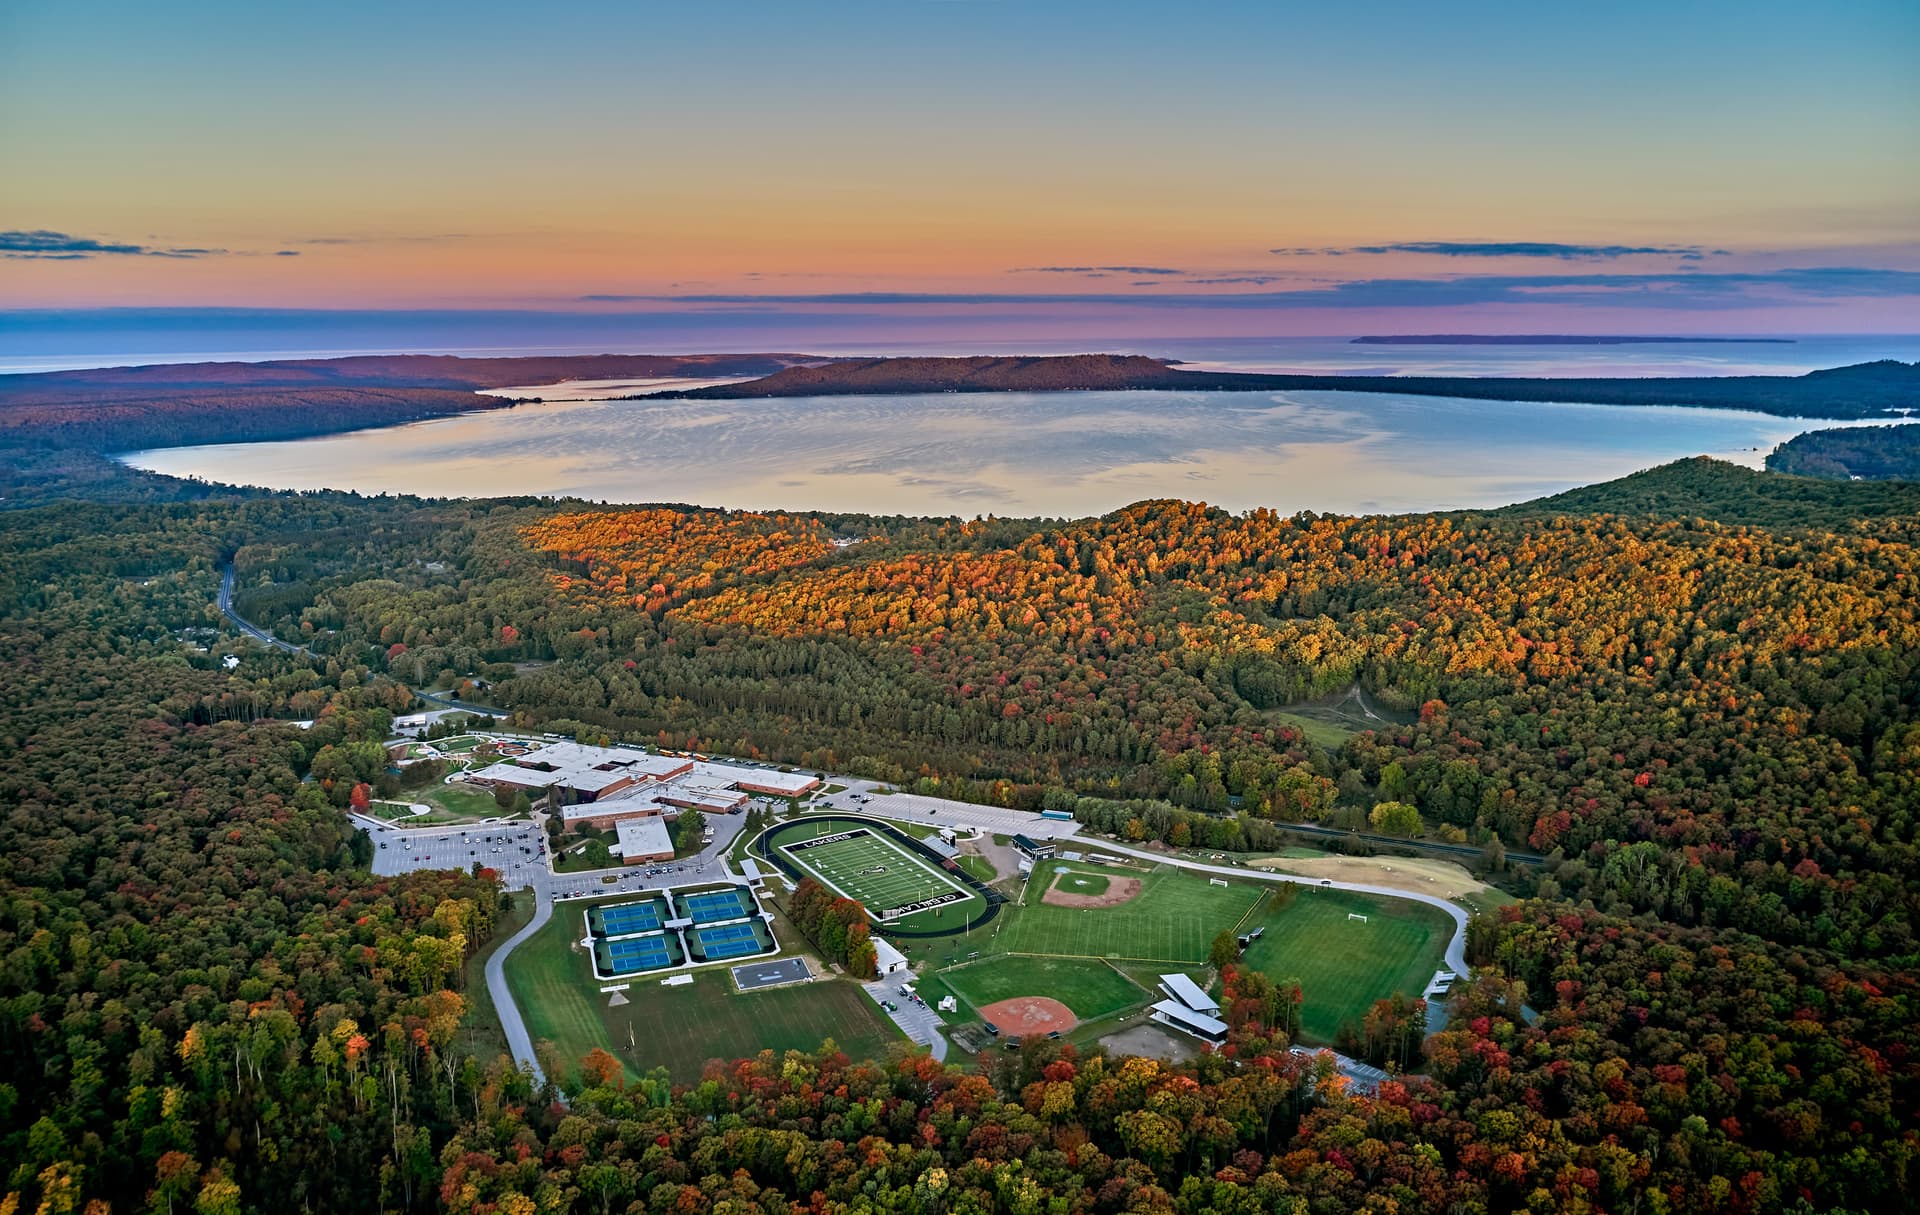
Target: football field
878 872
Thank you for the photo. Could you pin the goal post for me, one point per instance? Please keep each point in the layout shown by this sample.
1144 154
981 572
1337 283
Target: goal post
1354 915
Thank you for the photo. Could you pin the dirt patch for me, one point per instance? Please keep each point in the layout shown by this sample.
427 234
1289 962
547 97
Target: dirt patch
1118 891
1025 1016
1418 875
1152 1042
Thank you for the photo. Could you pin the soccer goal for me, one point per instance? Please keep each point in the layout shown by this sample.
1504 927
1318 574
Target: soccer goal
1354 915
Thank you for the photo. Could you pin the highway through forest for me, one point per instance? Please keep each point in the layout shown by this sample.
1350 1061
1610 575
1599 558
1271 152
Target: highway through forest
265 638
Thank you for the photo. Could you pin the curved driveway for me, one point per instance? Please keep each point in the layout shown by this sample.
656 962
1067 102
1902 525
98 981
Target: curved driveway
519 1043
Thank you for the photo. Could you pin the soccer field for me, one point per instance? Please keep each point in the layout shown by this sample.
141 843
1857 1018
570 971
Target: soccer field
889 881
1345 964
1173 919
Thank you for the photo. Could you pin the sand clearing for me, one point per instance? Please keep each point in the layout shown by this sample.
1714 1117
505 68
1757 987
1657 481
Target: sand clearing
1418 875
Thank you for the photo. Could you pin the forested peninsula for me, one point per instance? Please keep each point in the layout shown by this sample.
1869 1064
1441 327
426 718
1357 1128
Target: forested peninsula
1866 390
1863 453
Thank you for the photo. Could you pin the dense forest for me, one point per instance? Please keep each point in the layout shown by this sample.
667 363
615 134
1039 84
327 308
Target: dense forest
1706 720
1867 453
1867 390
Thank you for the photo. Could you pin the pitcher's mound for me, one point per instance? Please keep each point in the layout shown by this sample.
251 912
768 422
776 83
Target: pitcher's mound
1024 1016
1118 890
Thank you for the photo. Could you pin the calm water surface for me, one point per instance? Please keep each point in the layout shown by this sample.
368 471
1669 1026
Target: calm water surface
1059 454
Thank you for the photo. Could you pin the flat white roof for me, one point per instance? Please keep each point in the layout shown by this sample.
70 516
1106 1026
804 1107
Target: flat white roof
643 836
1185 990
612 808
765 778
1186 1018
886 955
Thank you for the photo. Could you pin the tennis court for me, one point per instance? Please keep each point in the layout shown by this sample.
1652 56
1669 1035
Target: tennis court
707 906
884 877
716 942
630 955
623 918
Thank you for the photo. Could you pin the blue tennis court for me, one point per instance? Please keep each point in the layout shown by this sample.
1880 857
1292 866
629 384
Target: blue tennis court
728 941
709 905
638 953
623 918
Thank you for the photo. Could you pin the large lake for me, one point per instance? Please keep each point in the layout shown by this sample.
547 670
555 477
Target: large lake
1058 454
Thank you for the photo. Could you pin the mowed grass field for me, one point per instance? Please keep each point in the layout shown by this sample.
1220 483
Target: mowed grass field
1091 988
1345 965
1173 919
680 1028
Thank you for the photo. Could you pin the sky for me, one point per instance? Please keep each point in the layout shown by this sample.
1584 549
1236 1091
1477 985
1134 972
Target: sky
972 166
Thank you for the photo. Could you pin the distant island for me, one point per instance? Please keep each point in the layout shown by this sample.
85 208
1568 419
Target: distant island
1554 339
1868 390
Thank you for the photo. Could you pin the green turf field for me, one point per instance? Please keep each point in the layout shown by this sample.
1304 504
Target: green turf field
462 800
454 746
1174 919
1345 965
680 1028
1090 988
877 872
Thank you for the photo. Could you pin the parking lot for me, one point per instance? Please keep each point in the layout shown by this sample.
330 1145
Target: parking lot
917 1020
942 812
518 850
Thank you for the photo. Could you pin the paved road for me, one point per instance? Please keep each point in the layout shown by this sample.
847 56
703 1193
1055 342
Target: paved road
268 639
920 1023
519 1042
258 634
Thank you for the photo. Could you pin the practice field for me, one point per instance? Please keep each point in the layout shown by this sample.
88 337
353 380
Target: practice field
1174 918
1092 989
680 1028
1345 964
894 885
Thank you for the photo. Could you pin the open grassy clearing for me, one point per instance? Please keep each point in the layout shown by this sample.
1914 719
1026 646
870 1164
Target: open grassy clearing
1323 734
1174 919
462 800
679 1028
1343 964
